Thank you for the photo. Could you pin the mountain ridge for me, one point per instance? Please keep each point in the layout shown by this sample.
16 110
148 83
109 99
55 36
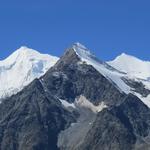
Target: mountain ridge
80 103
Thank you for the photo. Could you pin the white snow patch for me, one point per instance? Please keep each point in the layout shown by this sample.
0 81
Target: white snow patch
67 104
83 102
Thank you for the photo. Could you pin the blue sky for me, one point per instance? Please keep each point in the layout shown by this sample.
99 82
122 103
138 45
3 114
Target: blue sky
107 27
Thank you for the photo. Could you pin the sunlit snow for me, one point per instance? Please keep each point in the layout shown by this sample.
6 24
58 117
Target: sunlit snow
20 68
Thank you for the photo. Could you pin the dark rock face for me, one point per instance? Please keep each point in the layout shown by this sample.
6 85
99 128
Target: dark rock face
31 120
120 127
138 87
69 79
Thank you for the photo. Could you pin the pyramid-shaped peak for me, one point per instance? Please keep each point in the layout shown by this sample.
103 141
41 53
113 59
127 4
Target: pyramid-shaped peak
74 54
81 50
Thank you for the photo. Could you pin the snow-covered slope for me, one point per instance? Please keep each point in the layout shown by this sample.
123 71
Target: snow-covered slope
132 66
20 68
136 70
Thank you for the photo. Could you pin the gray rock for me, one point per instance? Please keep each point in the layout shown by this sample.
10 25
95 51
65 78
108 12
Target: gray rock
32 119
138 87
120 127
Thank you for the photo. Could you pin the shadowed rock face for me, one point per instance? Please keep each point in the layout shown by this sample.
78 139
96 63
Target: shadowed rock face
138 87
70 78
119 128
34 118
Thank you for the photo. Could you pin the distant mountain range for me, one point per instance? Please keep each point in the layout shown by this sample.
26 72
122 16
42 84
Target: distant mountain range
76 102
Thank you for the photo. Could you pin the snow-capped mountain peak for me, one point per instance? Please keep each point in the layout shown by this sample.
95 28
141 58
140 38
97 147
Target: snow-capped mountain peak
82 51
105 69
136 71
79 45
126 57
21 67
132 66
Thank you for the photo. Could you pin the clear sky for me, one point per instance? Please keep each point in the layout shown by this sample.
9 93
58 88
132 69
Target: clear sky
107 27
